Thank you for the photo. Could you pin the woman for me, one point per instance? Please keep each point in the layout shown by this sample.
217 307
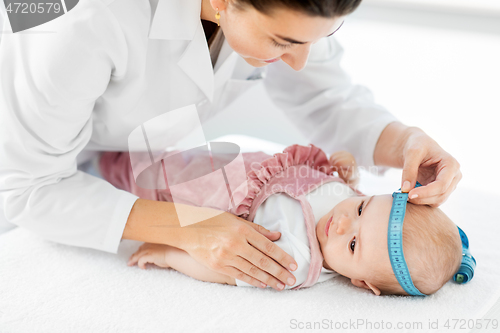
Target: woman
110 66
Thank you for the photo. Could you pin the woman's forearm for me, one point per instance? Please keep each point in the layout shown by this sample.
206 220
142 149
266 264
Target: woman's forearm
153 222
157 222
220 240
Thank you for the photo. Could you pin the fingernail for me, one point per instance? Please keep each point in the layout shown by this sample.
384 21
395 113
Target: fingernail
263 285
406 186
290 281
293 267
414 196
281 286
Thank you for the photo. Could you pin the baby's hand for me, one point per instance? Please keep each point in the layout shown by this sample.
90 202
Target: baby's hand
344 163
152 253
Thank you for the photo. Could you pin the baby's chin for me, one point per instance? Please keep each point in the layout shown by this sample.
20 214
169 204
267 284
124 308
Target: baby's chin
325 265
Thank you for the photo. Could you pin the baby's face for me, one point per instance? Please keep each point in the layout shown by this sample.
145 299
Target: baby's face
353 237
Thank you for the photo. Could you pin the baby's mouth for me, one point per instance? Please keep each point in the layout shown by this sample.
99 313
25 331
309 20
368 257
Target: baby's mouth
328 225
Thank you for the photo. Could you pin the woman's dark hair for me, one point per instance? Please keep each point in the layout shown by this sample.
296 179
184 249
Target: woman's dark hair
323 8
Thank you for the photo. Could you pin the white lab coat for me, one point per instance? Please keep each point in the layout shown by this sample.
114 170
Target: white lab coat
110 65
2 18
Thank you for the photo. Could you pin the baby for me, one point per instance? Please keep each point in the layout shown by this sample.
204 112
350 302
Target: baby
351 230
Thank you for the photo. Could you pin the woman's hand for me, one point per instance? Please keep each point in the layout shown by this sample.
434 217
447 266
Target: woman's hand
233 246
426 162
224 243
344 163
422 160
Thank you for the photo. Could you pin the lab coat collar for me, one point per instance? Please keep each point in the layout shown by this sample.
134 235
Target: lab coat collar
175 19
196 63
180 20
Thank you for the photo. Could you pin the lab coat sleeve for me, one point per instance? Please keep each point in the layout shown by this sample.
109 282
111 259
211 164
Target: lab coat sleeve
48 87
327 108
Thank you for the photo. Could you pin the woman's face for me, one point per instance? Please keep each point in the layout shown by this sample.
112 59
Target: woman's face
285 35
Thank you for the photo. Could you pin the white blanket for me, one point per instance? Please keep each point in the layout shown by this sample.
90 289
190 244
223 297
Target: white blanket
48 287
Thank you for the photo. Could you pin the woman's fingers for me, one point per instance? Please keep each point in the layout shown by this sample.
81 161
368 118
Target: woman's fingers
272 235
219 243
434 201
259 276
446 173
424 159
270 258
237 274
412 162
439 199
436 188
283 258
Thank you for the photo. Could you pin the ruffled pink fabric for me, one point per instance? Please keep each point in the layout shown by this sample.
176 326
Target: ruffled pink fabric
265 175
293 155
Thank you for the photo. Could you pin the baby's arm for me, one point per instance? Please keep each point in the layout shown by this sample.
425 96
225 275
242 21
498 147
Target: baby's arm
167 256
344 163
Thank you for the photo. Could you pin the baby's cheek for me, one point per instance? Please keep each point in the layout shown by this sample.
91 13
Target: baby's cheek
330 258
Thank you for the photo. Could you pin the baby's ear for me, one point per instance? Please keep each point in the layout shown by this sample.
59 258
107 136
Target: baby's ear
366 285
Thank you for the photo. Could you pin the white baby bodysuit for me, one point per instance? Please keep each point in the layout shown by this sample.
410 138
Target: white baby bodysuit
282 213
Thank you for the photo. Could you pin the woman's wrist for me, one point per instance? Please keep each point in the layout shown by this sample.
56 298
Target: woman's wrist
391 143
158 222
153 222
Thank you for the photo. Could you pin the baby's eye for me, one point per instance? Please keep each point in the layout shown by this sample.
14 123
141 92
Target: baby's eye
360 208
353 244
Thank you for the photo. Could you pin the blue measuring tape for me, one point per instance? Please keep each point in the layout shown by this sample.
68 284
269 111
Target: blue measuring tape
395 245
466 271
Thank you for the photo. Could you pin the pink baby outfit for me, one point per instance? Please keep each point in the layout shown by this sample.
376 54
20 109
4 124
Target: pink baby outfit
296 172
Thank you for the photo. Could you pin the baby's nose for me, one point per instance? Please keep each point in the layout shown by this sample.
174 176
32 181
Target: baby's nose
343 224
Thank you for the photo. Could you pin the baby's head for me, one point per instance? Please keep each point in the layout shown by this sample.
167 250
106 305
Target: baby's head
353 240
